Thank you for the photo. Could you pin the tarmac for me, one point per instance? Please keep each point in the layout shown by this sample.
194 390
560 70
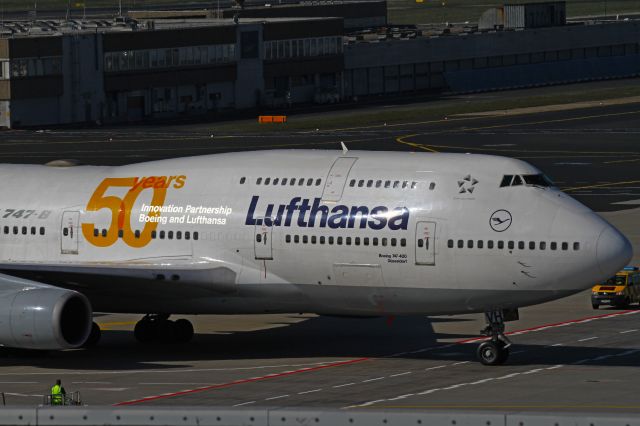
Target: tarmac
566 356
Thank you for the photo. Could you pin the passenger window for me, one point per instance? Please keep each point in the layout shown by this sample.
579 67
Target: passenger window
276 180
284 181
296 239
394 242
357 241
305 239
154 234
396 184
490 244
543 245
554 246
96 232
480 244
314 239
460 244
322 239
33 230
309 182
170 235
387 184
366 241
195 235
6 229
318 181
104 232
506 181
293 181
258 181
187 235
404 184
420 242
120 233
178 235
348 241
352 183
576 246
339 241
300 181
360 183
517 180
331 240
267 181
565 246
242 180
403 242
287 238
259 238
384 242
369 183
136 233
520 245
375 241
414 185
162 234
532 245
42 230
511 245
432 186
500 245
24 230
378 183
470 244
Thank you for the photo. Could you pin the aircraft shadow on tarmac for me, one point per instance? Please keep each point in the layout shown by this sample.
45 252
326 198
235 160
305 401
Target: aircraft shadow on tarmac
405 338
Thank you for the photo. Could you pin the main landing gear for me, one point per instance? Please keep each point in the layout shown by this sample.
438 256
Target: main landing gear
159 328
496 350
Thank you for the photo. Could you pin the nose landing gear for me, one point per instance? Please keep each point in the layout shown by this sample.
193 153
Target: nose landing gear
496 350
158 327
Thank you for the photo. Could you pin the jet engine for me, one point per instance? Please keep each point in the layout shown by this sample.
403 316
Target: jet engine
40 316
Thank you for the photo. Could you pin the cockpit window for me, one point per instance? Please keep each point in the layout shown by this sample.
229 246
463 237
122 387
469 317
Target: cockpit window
506 181
517 181
537 180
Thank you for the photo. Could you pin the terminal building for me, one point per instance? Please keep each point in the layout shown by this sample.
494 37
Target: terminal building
156 67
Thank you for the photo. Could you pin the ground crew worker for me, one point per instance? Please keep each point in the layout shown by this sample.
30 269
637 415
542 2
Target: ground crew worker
57 393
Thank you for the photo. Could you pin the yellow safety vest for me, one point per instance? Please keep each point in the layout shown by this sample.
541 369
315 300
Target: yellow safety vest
56 395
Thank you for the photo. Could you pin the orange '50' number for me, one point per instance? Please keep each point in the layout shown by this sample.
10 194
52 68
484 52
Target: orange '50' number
121 213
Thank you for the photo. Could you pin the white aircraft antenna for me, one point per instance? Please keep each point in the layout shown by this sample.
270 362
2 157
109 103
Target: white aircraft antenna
344 147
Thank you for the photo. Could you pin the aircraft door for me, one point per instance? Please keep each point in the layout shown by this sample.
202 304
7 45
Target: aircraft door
425 243
263 241
69 232
337 178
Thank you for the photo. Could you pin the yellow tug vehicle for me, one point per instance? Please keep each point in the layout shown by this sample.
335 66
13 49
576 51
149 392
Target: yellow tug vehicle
620 291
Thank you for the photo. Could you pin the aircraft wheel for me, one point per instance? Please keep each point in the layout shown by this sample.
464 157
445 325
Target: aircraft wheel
94 336
166 331
492 353
184 330
144 331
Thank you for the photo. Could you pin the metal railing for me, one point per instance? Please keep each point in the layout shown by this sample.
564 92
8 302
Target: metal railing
65 399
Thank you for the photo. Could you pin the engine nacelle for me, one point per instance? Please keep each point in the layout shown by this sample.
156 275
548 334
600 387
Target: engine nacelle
39 316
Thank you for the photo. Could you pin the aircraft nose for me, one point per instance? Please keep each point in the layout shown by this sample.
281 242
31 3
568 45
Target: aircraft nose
613 251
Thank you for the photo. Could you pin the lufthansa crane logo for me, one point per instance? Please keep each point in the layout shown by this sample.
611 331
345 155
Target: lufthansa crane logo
500 220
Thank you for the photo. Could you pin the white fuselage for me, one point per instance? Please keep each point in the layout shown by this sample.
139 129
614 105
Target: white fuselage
356 233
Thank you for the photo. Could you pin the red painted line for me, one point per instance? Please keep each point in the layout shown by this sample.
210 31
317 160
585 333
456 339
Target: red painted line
240 382
558 324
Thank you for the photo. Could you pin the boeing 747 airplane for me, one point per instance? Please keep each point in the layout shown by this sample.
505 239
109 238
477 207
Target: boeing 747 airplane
351 233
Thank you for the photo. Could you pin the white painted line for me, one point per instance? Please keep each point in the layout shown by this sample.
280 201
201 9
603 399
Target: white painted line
479 382
373 380
437 367
93 383
629 331
401 397
244 403
508 376
555 367
400 374
341 386
536 370
460 363
459 385
629 352
587 339
427 392
276 397
557 344
309 391
19 383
